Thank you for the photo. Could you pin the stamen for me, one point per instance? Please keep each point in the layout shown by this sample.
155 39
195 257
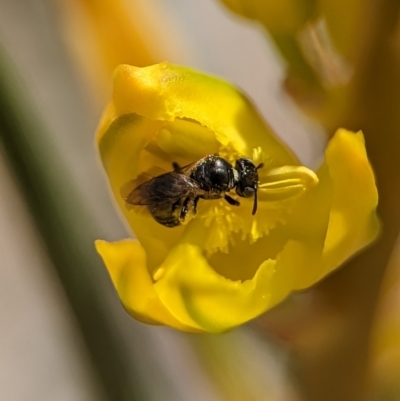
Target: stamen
285 183
223 221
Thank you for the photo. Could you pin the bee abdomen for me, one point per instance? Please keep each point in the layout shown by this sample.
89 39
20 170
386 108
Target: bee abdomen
166 214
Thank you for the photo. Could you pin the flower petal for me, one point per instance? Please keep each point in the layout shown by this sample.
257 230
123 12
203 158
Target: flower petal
126 263
307 227
200 297
353 221
338 216
340 211
121 150
166 92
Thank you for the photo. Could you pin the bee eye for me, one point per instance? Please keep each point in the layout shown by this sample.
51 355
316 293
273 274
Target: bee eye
248 192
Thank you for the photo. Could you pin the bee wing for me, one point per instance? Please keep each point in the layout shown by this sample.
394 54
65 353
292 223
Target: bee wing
148 175
186 170
168 187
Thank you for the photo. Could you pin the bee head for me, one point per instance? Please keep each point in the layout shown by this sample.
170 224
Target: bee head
248 180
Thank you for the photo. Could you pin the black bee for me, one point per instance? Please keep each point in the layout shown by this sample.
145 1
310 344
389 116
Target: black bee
171 196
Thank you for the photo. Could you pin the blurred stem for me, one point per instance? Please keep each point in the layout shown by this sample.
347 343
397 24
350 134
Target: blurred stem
67 233
338 371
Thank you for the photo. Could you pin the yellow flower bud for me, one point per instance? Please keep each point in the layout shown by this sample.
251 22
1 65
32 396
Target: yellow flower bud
284 16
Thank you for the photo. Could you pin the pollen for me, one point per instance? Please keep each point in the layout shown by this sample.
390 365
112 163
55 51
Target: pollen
224 222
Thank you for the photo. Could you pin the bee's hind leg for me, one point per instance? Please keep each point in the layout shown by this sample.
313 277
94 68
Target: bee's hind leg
195 202
175 205
231 201
184 210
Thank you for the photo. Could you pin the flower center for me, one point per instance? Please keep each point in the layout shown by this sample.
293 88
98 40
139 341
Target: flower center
218 225
278 190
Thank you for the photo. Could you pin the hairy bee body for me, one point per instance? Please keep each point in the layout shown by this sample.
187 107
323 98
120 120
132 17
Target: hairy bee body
173 196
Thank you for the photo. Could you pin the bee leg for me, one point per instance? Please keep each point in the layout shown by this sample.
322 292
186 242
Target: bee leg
231 201
195 202
185 209
176 205
176 167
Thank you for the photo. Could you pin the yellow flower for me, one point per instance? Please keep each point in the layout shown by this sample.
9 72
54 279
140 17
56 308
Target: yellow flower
225 266
280 17
323 44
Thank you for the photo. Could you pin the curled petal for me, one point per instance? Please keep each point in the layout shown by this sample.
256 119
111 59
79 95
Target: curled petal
166 92
353 222
200 296
126 264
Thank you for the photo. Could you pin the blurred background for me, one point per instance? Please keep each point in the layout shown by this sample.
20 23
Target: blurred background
63 332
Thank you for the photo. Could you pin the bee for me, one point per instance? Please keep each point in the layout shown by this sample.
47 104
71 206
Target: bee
173 196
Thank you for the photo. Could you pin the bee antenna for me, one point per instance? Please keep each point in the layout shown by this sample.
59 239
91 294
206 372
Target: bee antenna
255 204
261 165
